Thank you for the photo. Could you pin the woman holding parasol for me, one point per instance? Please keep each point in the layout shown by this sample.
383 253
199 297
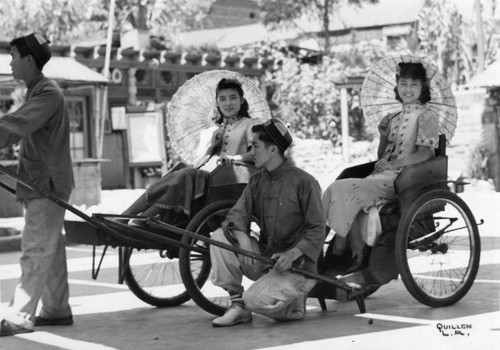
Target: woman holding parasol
408 135
229 138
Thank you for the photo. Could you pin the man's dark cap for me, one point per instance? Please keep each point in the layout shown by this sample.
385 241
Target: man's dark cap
39 47
278 132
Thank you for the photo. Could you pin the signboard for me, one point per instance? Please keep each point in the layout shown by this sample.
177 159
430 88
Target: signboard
145 138
118 118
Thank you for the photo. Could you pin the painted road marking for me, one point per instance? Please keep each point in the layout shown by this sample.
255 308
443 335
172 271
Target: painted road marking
62 342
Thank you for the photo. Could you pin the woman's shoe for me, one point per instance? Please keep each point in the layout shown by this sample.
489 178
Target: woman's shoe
360 261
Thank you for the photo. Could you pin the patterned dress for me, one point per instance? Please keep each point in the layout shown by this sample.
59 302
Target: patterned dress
344 199
237 137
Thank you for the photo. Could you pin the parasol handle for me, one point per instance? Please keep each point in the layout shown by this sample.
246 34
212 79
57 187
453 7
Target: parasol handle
203 161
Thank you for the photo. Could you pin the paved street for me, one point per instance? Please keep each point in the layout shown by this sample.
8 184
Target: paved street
109 316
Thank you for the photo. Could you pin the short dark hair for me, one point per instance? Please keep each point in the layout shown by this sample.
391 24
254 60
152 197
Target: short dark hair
233 84
260 130
416 71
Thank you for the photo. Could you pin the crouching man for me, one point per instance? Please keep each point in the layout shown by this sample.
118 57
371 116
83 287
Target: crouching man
286 203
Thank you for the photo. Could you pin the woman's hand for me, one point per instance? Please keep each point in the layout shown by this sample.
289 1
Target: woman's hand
226 160
384 126
218 135
381 165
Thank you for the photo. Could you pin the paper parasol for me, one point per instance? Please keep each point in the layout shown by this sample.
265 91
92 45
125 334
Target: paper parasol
191 109
378 98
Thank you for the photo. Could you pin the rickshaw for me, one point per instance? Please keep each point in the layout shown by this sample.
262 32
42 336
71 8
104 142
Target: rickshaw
430 238
151 251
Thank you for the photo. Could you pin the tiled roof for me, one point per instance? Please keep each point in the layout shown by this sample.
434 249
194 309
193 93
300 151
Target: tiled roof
233 36
490 77
384 13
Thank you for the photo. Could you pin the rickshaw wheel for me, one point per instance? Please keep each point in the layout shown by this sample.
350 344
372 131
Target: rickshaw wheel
195 268
154 277
438 248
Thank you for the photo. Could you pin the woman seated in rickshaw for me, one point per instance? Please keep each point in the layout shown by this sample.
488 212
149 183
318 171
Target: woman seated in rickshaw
406 137
231 141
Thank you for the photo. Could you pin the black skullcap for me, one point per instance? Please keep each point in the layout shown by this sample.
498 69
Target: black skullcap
39 47
279 133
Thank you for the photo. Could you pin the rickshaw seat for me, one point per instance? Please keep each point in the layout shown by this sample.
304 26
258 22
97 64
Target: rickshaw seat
413 178
228 182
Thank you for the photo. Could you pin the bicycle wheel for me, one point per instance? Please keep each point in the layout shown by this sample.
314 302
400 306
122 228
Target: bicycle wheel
438 248
154 277
196 268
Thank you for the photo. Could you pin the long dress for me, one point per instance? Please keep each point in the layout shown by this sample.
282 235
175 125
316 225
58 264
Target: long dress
177 190
347 200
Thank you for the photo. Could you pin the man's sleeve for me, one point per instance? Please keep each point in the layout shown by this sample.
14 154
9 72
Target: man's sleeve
31 116
313 236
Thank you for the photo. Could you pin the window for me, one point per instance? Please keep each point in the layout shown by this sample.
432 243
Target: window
78 119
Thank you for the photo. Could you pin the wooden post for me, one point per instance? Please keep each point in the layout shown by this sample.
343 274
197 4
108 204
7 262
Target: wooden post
104 109
344 115
479 36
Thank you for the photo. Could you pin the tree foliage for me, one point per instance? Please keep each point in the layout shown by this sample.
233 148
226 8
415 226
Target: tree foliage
67 21
58 20
159 15
441 37
451 40
307 96
491 27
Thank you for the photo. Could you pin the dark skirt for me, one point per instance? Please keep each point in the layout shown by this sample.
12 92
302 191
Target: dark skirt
177 190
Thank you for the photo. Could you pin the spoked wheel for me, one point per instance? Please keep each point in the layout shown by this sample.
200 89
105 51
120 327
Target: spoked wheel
196 267
154 276
438 248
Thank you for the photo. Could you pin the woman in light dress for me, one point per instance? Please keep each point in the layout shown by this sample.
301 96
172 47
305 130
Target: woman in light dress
406 137
231 141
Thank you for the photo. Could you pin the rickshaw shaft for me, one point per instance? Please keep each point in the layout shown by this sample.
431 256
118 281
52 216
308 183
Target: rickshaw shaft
237 250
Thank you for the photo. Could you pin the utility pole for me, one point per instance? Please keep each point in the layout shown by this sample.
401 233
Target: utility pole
105 72
480 36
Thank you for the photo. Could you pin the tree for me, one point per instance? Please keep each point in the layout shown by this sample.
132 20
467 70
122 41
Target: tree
302 94
159 15
441 37
64 21
455 50
484 40
307 95
59 21
284 12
